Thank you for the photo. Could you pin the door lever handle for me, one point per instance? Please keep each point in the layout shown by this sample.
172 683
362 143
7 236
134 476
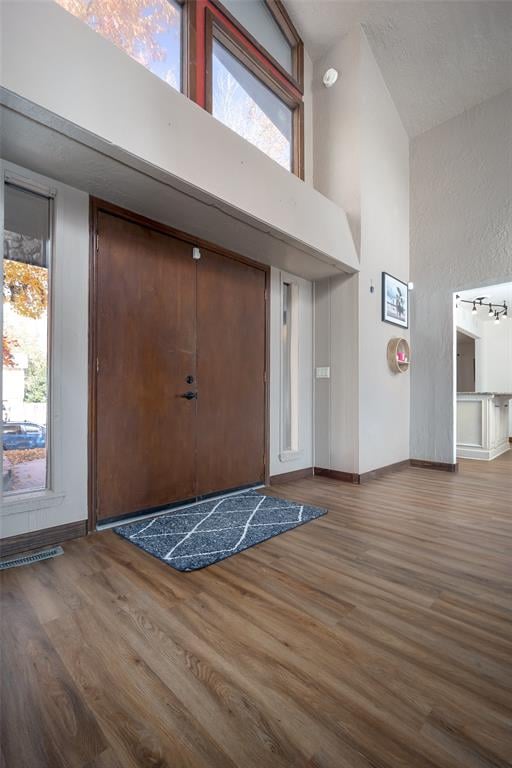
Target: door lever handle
189 395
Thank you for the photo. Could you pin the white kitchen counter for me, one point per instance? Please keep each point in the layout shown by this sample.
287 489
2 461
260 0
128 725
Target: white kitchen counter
482 424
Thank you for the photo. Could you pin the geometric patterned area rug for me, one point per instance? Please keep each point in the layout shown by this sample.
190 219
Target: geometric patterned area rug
213 530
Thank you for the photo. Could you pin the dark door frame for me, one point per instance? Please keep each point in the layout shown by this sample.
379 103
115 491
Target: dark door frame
96 206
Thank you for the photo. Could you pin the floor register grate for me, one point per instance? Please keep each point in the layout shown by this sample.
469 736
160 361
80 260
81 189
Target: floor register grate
29 559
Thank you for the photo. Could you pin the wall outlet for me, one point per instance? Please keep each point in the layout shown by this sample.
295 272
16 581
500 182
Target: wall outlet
323 372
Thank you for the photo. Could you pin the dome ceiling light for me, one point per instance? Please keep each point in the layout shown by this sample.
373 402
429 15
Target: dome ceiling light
330 77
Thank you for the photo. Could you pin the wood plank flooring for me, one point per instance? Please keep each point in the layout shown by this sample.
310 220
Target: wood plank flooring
379 636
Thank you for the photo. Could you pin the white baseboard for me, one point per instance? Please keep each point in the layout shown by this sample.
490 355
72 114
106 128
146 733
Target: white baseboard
482 454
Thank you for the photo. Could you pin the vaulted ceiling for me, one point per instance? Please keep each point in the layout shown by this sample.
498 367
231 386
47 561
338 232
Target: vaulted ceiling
439 58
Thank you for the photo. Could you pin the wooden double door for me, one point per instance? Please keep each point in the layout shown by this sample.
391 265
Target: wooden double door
179 405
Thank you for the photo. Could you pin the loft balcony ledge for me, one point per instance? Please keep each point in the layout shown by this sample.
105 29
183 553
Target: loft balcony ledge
76 108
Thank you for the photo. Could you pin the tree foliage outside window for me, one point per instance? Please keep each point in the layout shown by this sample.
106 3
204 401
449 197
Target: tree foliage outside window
7 352
234 107
26 288
35 380
147 30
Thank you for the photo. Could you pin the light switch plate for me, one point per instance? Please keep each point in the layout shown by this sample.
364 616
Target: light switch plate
323 372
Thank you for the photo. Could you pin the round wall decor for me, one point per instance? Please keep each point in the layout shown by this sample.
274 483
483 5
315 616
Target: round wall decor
399 355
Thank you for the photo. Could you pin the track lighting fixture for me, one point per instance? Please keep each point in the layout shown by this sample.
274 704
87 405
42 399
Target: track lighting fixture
497 311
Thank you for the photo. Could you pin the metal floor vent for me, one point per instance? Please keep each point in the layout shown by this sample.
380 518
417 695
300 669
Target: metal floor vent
44 554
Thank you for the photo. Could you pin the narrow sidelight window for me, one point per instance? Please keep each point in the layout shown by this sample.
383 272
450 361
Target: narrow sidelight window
289 369
25 337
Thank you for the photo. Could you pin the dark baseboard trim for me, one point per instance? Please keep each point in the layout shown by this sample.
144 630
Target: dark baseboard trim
365 477
373 474
336 474
288 477
46 537
441 465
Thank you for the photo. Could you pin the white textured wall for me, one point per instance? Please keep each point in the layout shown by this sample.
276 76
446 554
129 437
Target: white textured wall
461 238
495 370
362 162
308 120
383 395
337 174
337 398
467 322
336 130
66 500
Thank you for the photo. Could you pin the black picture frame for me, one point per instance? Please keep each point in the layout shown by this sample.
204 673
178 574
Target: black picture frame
395 301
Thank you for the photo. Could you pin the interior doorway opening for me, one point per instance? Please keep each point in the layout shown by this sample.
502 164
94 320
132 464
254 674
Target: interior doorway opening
466 362
483 372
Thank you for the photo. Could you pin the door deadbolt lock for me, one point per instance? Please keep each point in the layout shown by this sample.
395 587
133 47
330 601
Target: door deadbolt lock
189 395
189 379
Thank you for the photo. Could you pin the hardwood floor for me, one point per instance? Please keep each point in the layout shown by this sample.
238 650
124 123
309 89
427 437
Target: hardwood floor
379 636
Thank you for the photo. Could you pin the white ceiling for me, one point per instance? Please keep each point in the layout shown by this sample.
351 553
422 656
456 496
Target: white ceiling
438 58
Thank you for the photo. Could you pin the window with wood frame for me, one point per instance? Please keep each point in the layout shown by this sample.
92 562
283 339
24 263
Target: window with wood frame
242 60
149 31
245 86
242 101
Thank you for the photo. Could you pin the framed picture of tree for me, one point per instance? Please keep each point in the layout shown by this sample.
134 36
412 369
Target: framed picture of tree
395 301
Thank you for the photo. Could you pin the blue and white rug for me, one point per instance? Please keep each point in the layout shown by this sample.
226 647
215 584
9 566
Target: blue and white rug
212 530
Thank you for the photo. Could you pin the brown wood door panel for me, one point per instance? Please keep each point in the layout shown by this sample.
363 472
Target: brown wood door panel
158 317
146 339
231 323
